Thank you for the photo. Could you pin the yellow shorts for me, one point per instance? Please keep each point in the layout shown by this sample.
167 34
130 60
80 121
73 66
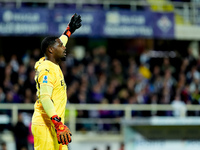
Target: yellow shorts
45 138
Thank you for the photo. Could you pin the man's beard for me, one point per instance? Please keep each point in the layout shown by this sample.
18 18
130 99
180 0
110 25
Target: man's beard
63 58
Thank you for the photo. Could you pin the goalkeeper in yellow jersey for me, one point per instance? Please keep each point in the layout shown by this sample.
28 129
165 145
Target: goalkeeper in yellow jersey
48 127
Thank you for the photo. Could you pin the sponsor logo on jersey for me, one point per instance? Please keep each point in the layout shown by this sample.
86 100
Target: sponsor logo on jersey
62 82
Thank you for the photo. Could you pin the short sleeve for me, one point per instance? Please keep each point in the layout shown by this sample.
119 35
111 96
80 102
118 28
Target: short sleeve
47 77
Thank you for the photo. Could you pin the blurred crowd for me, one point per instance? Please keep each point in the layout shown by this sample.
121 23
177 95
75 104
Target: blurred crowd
98 78
101 77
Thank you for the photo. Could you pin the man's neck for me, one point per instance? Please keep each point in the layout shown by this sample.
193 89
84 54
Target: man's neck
52 60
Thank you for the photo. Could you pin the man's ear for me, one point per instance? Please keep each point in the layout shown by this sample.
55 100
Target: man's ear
50 49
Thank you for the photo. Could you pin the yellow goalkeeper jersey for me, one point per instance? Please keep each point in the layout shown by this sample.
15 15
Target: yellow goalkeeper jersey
50 74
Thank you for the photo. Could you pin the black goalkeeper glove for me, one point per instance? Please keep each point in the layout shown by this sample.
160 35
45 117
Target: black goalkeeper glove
74 24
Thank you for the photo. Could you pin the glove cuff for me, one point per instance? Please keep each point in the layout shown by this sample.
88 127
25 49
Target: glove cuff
55 119
67 32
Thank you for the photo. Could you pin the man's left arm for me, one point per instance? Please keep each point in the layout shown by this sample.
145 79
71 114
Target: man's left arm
74 24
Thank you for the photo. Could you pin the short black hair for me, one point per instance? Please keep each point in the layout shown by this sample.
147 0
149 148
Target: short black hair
46 42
